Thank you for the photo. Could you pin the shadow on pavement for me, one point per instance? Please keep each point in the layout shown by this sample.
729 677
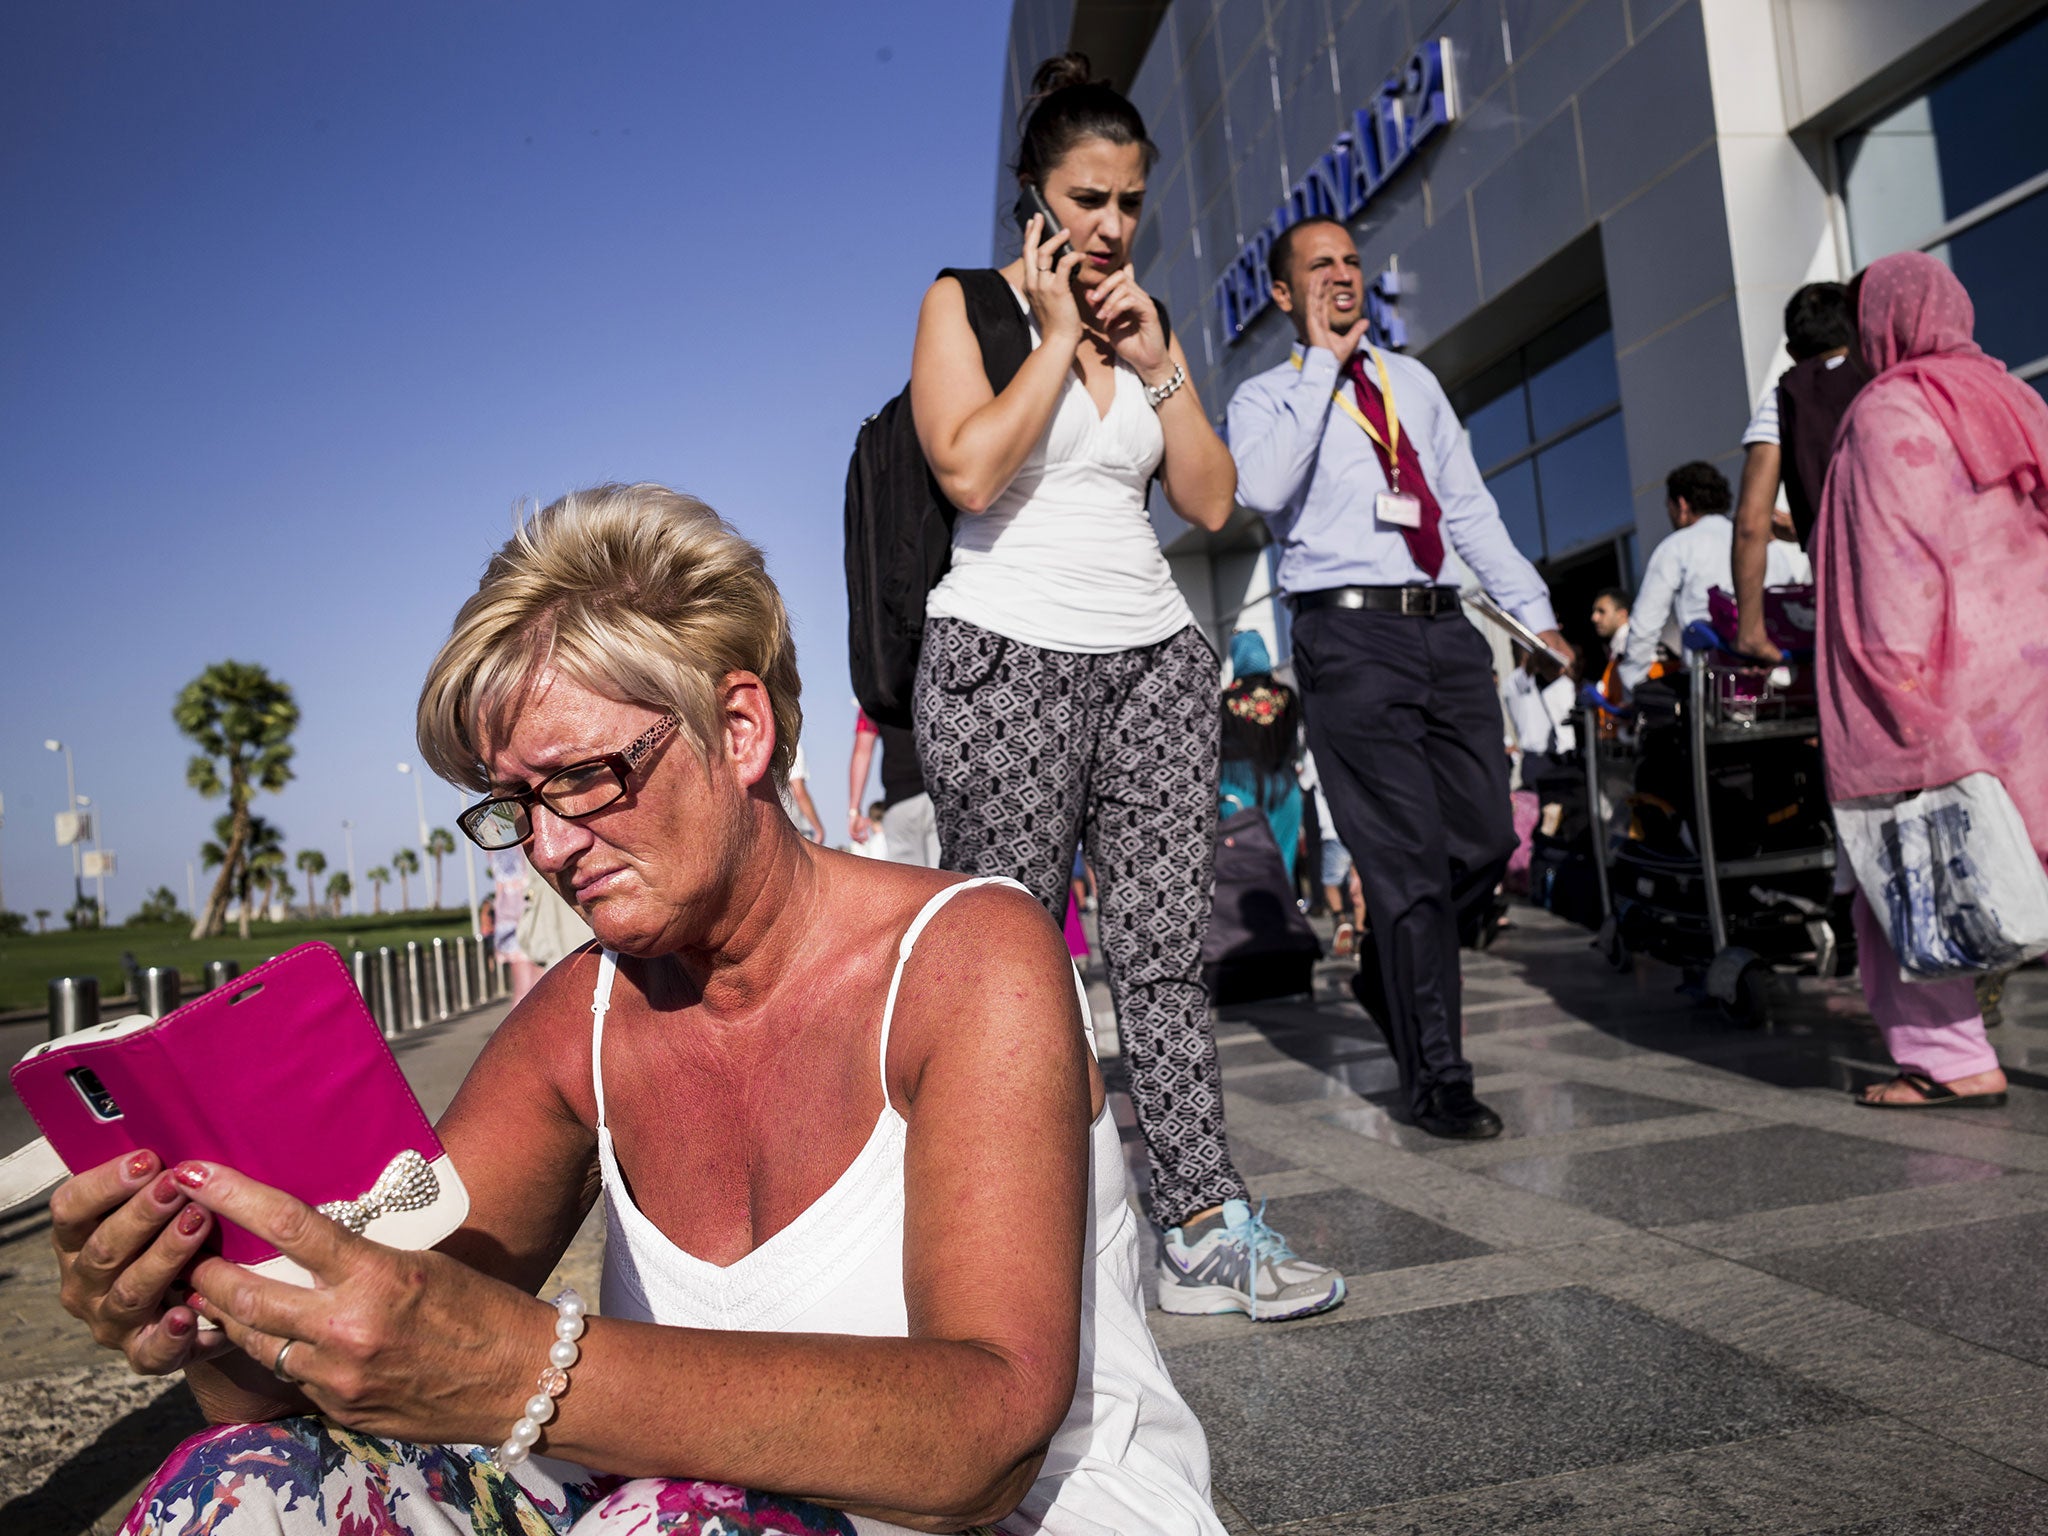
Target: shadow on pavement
77 1494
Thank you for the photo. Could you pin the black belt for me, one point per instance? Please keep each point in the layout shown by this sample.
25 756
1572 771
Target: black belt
1428 602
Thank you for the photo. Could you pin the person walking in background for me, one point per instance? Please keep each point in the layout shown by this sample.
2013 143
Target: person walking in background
1610 618
1262 745
1078 902
874 843
907 824
797 801
1363 473
1788 445
1063 689
1343 896
550 929
509 874
1540 700
1695 558
1931 558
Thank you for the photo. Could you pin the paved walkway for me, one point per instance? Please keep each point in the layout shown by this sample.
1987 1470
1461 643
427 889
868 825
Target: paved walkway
1693 1289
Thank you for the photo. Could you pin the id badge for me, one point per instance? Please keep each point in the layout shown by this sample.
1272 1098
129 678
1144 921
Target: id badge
1398 508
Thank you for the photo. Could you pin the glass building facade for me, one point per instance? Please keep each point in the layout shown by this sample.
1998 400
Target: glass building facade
1594 253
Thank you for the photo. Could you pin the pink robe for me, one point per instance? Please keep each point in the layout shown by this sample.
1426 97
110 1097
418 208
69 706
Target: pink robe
1931 559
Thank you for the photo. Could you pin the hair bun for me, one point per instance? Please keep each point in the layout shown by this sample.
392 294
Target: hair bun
1059 72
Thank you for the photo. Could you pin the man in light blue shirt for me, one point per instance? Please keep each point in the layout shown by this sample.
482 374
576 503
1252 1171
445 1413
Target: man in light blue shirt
1362 471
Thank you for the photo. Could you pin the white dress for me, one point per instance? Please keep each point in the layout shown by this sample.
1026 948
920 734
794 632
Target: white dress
1130 1459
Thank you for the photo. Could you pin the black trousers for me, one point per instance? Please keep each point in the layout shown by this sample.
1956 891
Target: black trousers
1406 729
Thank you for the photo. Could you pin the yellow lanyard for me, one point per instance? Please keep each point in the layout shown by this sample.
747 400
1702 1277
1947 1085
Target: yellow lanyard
1391 443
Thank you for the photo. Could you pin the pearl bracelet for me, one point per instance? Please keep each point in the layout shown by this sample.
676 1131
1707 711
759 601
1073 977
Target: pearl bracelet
1159 396
551 1384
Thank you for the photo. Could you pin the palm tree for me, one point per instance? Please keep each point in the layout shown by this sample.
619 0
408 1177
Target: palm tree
42 919
339 888
242 719
379 877
272 873
262 857
312 862
440 843
406 862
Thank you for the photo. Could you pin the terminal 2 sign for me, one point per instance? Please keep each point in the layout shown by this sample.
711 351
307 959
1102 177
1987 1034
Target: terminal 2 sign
1408 109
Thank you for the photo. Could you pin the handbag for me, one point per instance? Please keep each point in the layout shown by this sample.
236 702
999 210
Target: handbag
1952 876
282 1075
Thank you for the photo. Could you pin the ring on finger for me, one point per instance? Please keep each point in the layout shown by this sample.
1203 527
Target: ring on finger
279 1369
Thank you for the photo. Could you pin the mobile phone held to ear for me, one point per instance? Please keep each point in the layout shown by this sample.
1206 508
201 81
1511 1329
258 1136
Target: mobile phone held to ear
1029 201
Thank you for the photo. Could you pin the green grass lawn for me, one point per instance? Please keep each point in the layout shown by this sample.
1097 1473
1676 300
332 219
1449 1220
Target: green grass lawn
29 962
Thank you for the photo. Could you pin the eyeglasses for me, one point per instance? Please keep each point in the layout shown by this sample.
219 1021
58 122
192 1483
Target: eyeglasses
572 793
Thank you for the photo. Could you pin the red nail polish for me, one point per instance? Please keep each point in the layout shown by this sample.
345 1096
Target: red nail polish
141 1165
191 1219
177 1326
191 1175
196 1302
164 1190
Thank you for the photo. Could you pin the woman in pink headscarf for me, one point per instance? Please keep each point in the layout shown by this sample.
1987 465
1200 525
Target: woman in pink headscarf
1931 559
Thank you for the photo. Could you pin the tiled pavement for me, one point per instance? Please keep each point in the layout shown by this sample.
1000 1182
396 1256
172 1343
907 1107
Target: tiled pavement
1693 1289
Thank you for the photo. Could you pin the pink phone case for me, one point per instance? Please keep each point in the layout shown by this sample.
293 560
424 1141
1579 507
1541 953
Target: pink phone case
283 1075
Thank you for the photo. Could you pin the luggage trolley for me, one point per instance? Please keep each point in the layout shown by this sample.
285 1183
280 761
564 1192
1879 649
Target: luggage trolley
1740 902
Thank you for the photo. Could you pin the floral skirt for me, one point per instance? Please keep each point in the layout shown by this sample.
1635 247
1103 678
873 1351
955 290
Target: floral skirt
308 1477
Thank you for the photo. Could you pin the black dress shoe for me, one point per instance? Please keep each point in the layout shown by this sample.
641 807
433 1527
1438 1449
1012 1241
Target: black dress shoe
1453 1112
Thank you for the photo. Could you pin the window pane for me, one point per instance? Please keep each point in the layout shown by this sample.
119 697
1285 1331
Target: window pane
1573 387
1499 429
1974 134
1988 121
1515 490
1891 181
1999 261
1584 482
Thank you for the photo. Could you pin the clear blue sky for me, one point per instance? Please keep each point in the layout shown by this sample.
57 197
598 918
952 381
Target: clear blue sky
301 299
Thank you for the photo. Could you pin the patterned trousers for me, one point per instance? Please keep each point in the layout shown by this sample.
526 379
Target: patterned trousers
1028 751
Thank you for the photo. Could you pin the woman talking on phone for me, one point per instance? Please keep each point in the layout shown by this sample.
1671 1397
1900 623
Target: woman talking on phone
1064 690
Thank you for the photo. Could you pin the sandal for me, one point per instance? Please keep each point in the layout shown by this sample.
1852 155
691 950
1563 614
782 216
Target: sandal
1933 1095
1345 942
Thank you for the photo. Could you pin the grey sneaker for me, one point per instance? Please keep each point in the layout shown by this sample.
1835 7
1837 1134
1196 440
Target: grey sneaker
1242 1265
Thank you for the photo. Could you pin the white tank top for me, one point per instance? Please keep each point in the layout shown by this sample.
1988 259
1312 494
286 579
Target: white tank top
1066 559
1130 1458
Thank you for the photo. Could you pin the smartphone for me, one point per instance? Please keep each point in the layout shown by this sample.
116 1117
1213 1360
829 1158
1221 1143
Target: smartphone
1030 201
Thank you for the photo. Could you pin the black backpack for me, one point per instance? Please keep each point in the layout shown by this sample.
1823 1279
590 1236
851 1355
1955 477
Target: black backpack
899 525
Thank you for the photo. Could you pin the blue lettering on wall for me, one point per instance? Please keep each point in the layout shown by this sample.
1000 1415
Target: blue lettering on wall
1408 109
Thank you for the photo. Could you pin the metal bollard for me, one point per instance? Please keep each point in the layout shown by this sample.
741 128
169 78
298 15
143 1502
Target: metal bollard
218 973
465 994
156 990
388 1005
443 986
416 996
504 970
74 1004
363 972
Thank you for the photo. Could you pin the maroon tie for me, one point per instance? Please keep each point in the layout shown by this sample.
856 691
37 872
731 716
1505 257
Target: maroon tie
1426 543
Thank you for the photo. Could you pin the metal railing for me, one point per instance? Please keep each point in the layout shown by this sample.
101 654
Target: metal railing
404 989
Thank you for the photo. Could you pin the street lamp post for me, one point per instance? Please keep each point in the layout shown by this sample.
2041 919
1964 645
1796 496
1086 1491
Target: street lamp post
348 843
476 923
71 804
419 797
99 865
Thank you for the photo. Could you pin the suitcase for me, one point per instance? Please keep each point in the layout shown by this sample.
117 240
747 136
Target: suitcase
1258 944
